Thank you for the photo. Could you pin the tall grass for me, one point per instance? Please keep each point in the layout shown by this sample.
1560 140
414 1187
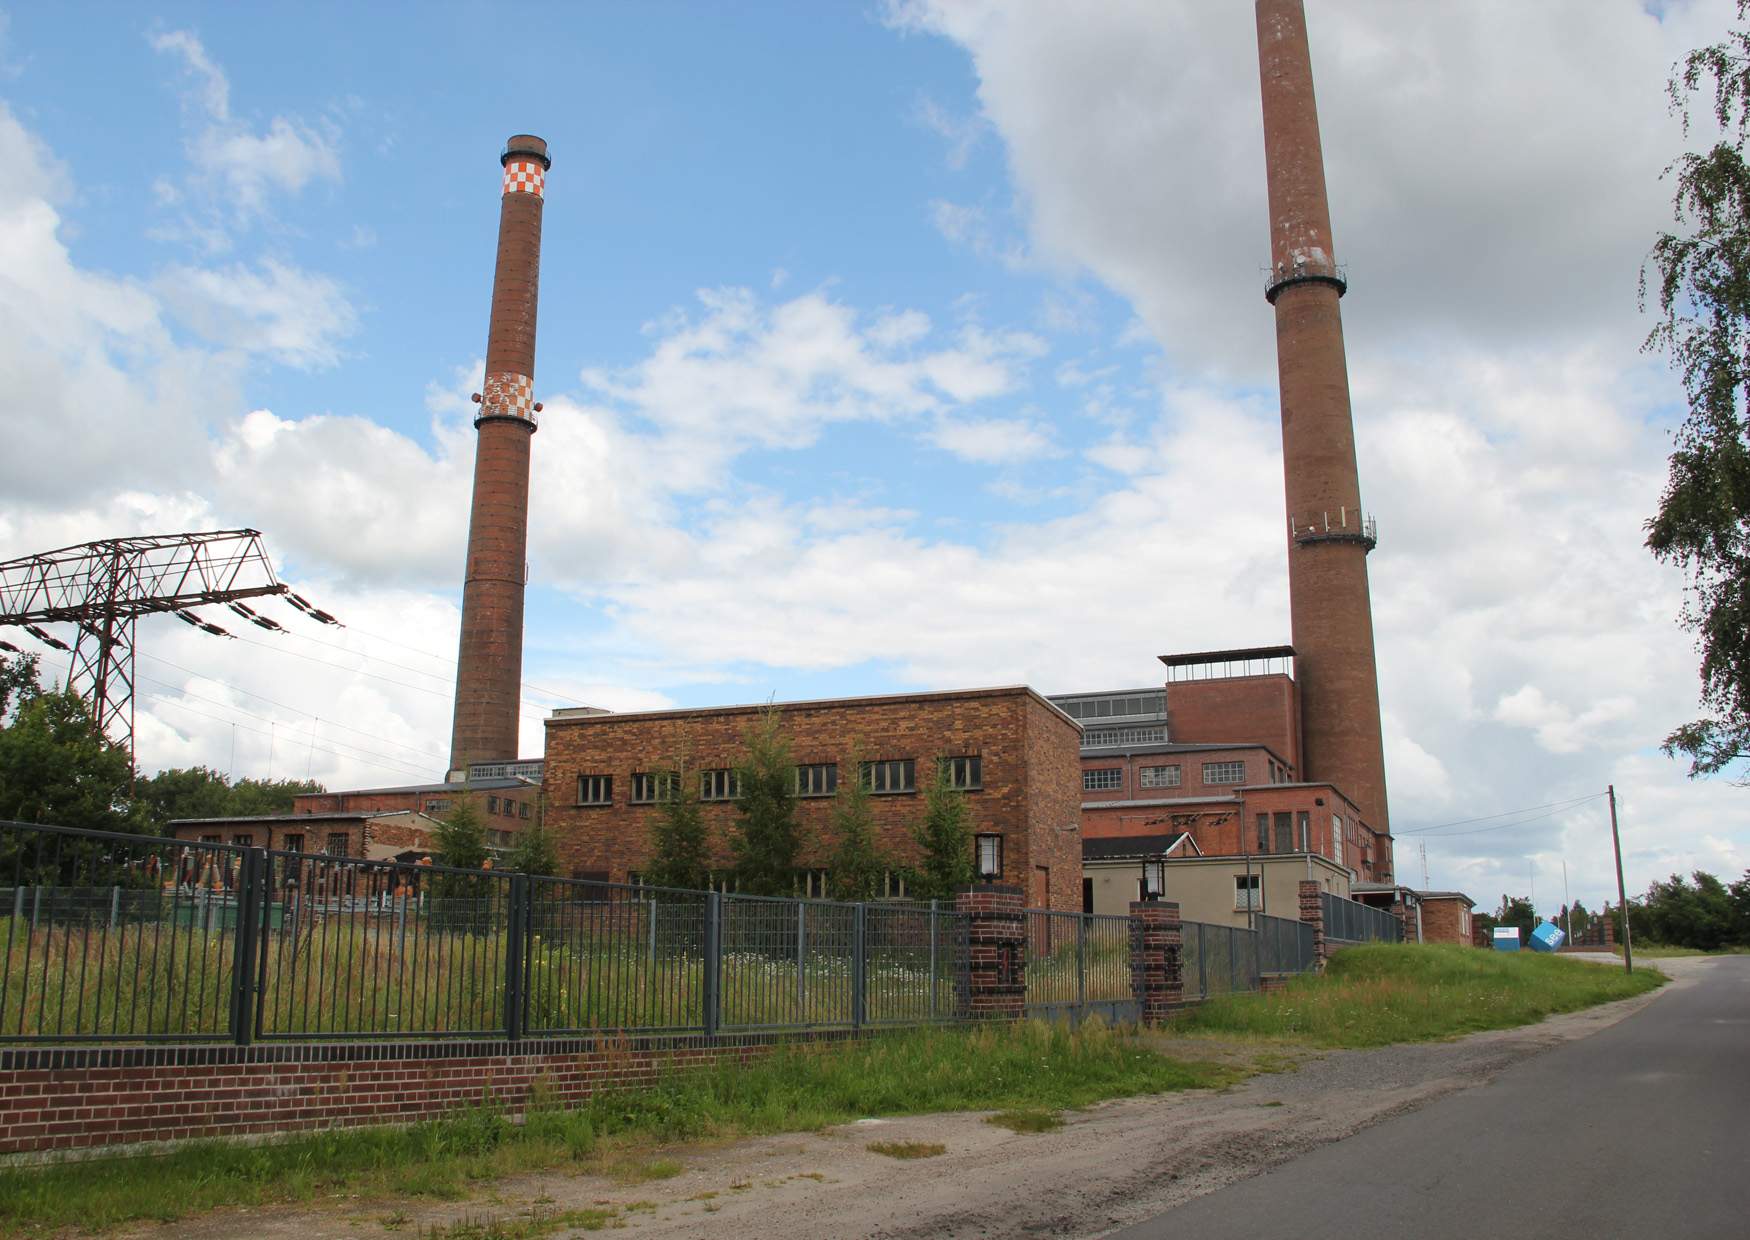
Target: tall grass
794 1088
1380 993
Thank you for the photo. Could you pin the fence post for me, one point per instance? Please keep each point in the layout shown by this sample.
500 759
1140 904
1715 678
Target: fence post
515 953
1157 953
933 904
243 940
997 951
801 961
115 900
713 1014
1081 965
859 967
1233 959
1312 911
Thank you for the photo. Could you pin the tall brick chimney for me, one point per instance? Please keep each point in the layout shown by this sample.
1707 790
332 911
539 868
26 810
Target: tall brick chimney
490 666
1329 534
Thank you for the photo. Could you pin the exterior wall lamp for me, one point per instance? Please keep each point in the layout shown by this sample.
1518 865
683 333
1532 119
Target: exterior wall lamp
1154 878
989 853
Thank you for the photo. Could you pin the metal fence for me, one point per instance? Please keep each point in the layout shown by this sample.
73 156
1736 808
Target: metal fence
1078 963
1353 922
132 938
1218 959
1285 946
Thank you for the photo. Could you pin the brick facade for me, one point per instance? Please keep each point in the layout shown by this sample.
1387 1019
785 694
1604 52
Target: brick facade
1261 710
1157 956
364 834
505 806
1027 750
1446 917
997 950
76 1099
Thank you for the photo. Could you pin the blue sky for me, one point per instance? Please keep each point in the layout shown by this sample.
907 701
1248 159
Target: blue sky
883 346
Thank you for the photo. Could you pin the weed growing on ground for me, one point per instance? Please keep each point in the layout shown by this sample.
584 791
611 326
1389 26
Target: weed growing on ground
1380 993
1029 1120
907 1149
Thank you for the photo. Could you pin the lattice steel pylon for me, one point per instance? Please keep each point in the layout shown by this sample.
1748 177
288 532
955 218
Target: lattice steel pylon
104 587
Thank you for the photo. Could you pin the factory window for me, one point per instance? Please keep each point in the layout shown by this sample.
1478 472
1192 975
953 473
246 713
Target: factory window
522 809
1305 831
212 839
1160 776
492 805
243 839
966 774
1263 833
437 807
1247 897
890 775
811 884
1284 832
595 789
650 787
719 785
1224 772
817 779
892 886
294 843
1336 839
634 878
336 844
1103 779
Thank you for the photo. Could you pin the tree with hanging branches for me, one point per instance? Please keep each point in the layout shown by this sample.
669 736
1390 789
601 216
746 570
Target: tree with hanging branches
1699 279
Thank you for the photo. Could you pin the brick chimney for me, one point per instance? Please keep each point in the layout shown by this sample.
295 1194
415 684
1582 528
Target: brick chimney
1329 533
490 664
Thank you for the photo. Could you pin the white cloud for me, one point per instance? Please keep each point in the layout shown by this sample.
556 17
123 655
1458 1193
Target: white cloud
992 441
293 316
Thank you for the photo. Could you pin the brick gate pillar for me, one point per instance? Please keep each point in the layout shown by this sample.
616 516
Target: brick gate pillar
997 937
1157 953
1312 911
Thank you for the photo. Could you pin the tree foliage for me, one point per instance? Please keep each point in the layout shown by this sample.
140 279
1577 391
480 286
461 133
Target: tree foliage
197 792
55 766
766 840
1700 912
945 836
461 837
857 864
680 845
1516 911
1702 287
535 852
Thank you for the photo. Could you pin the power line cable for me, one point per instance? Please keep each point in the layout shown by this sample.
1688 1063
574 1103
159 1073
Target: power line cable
263 732
1506 813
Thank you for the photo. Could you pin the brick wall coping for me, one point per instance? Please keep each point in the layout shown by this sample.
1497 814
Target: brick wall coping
882 699
223 1054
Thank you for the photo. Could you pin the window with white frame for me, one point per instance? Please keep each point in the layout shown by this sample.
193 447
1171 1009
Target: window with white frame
811 884
1103 779
965 774
890 775
1337 839
988 856
651 787
817 779
1160 776
1224 772
595 789
719 785
893 886
1248 894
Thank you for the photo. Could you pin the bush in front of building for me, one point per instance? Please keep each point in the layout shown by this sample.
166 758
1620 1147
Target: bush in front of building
680 848
766 839
944 834
857 866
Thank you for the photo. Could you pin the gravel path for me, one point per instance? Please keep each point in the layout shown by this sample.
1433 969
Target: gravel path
1109 1166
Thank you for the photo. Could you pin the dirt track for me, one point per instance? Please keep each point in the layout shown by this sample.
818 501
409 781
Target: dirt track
1109 1166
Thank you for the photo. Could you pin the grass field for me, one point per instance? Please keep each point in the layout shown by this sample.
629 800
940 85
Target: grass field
1380 993
1658 951
1027 1067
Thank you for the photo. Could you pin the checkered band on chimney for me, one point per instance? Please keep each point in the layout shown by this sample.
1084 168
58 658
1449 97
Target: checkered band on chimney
525 176
508 395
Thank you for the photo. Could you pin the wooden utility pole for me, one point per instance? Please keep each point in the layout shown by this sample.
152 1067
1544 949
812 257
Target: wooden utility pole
1628 946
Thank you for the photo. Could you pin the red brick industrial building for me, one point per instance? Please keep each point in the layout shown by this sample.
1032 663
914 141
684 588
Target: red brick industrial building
1014 754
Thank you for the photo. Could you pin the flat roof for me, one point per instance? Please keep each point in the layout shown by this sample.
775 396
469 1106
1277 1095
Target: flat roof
1200 657
876 699
473 785
345 815
1125 847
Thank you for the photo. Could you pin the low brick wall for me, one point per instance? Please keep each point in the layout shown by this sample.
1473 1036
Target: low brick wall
67 1099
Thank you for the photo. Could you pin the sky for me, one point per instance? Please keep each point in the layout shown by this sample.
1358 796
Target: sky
883 346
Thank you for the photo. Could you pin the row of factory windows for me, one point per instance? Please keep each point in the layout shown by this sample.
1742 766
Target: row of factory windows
338 843
1168 775
987 858
886 776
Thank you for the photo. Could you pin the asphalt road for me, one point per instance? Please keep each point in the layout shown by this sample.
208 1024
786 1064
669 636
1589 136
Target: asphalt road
1642 1129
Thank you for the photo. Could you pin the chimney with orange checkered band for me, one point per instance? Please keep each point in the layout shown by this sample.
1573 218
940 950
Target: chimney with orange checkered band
490 665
